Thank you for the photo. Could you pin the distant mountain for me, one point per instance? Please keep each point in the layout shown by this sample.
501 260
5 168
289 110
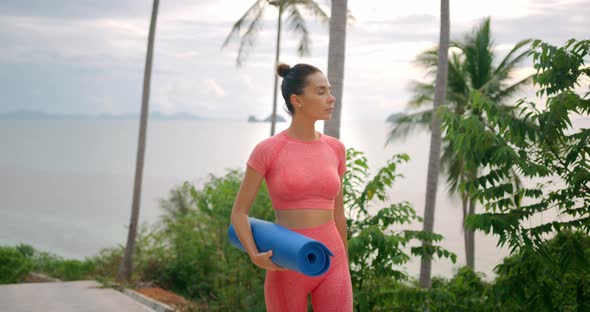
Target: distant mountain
26 114
253 118
395 116
38 115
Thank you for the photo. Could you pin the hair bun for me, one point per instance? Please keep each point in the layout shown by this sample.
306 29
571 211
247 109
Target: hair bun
283 69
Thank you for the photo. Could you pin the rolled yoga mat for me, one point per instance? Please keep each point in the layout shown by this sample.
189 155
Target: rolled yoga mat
290 249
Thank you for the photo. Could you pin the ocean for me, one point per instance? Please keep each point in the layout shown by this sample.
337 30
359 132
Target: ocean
66 185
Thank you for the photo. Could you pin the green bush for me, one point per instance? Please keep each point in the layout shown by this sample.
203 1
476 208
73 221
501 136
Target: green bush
554 278
189 252
73 270
14 266
107 262
377 241
54 265
26 250
466 291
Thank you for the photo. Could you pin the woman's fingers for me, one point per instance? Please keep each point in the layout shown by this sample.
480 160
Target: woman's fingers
266 262
266 254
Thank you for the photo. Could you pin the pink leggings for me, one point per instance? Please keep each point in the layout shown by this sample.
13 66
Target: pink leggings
287 291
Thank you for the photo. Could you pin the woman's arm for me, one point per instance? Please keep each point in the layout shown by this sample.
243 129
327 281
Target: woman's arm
340 219
239 219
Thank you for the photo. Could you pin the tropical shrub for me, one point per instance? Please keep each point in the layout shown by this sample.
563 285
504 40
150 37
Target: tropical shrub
550 279
14 266
378 245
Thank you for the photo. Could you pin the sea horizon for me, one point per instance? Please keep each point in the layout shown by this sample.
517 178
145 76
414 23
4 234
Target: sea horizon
66 186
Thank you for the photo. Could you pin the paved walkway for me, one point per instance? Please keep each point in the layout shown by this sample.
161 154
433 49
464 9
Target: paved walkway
80 296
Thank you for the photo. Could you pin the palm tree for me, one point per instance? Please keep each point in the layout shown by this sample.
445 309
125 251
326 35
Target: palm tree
471 68
126 267
336 56
435 138
178 202
251 21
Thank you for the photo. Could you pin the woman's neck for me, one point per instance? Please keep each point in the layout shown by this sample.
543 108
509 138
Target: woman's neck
302 130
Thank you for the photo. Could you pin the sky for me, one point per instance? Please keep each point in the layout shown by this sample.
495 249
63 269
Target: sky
87 57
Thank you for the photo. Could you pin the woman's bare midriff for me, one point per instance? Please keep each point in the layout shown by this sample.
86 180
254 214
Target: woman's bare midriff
302 218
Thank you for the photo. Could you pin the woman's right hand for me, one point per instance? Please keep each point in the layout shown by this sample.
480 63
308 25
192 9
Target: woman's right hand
262 260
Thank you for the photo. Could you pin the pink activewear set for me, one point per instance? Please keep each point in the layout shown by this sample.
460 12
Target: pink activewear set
300 175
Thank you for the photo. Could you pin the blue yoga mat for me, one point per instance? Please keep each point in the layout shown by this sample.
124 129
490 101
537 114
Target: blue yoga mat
290 249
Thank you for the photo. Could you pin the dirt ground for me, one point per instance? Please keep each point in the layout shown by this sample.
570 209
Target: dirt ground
173 300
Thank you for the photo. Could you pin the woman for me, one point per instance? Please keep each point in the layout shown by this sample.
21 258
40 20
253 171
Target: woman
303 170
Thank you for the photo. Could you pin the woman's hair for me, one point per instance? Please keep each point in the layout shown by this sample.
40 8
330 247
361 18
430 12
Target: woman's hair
294 80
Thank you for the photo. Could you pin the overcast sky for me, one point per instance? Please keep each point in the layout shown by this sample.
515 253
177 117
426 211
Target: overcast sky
87 57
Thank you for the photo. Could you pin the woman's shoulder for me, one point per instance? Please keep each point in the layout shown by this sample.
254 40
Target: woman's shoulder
270 143
275 139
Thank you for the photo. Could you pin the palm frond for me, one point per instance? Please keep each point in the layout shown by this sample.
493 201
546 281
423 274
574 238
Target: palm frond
422 94
315 9
504 72
404 125
451 164
479 55
250 14
457 44
509 61
458 89
251 19
458 84
504 93
428 60
297 25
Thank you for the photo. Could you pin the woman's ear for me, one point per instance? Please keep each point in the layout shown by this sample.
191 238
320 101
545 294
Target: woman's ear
295 100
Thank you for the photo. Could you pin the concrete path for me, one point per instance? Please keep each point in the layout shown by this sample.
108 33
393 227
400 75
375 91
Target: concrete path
80 296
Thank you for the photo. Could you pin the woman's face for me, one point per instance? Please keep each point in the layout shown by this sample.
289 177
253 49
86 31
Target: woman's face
316 101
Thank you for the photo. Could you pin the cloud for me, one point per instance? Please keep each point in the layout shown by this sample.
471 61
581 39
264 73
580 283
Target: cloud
87 42
88 57
554 25
75 9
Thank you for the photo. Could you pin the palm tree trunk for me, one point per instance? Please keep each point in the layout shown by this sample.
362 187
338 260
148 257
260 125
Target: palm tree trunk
466 238
126 267
469 209
435 138
336 57
470 238
273 118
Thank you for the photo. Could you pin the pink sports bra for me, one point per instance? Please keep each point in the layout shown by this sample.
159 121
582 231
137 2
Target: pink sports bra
300 174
